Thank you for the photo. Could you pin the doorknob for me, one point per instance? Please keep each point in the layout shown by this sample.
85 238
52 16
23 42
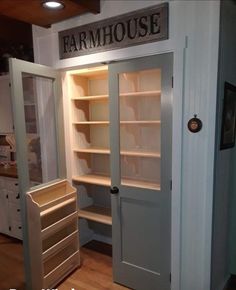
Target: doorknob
114 190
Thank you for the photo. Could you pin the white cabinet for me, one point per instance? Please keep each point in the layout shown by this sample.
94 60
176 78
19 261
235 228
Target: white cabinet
4 224
6 115
6 120
10 215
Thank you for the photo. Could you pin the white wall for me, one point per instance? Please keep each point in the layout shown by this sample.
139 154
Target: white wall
194 28
225 166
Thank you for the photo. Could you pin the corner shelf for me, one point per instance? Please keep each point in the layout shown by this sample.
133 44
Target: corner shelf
96 213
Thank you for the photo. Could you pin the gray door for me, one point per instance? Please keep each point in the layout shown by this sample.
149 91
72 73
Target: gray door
38 122
141 118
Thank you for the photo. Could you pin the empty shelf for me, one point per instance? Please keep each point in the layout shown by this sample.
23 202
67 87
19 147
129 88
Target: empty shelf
140 183
148 122
142 94
93 179
140 153
137 153
91 123
93 150
97 214
91 98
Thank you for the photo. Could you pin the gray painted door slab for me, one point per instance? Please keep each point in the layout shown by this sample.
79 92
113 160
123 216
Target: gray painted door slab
141 211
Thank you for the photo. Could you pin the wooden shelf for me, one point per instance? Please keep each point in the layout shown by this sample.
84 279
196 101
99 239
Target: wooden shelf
140 183
95 150
97 214
93 179
91 98
142 94
147 122
140 153
106 181
91 123
136 153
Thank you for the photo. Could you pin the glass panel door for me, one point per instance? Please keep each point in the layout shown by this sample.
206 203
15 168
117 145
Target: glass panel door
40 124
140 128
39 137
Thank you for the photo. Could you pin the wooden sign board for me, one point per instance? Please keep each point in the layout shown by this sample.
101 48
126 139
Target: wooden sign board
137 27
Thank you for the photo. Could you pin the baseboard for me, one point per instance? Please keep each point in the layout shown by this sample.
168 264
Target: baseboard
102 238
100 247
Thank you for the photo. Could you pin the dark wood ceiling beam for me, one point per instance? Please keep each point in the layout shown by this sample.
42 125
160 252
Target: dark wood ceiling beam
14 31
92 5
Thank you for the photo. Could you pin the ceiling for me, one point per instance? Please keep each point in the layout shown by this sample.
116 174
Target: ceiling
32 11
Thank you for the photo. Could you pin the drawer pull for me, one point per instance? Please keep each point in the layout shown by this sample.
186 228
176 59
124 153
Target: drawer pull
9 228
18 196
19 228
7 196
16 184
18 210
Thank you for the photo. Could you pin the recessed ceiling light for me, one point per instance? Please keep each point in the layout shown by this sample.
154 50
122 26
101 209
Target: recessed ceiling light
53 4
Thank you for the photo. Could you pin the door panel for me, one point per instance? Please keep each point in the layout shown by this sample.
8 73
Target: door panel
140 113
38 120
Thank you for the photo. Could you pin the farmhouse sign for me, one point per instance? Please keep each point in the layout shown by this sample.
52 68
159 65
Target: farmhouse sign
138 27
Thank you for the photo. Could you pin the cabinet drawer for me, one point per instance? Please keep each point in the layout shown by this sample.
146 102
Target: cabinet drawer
14 211
16 229
13 196
11 184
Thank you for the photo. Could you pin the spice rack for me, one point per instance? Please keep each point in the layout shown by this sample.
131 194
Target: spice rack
54 245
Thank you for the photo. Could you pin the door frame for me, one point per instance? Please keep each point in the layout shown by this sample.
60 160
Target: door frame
16 68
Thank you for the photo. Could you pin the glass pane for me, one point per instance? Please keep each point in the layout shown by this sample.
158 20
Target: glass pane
40 128
140 128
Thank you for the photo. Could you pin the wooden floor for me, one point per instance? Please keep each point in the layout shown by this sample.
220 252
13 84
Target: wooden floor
11 264
95 273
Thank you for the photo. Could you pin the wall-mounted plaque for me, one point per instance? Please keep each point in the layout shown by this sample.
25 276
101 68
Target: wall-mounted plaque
137 27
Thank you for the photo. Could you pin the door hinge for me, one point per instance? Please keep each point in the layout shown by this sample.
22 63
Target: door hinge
170 184
172 82
170 277
9 84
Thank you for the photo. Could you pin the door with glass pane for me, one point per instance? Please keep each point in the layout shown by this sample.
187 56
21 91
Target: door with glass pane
48 202
140 130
